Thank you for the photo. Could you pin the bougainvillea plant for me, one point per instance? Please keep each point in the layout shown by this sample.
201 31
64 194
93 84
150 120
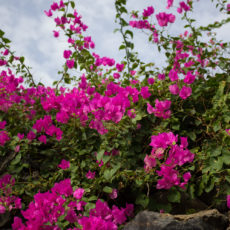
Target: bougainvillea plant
91 151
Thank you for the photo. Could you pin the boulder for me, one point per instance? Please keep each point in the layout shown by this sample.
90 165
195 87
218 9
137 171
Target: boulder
203 220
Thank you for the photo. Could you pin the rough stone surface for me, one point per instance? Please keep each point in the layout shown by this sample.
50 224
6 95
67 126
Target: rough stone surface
204 220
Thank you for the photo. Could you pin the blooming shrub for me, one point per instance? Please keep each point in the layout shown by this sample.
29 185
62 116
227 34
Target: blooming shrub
123 131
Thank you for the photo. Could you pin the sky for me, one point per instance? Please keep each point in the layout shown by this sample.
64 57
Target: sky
30 31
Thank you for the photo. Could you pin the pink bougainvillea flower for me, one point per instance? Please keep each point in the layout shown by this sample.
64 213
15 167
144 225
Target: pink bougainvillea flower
184 6
2 124
164 18
131 113
56 33
173 75
6 52
31 135
48 13
132 72
170 3
161 76
2 209
42 139
70 63
90 175
54 6
228 7
67 53
78 193
174 89
189 78
228 201
151 81
185 92
119 67
116 75
150 109
64 164
150 162
145 92
20 136
3 137
148 12
113 194
17 148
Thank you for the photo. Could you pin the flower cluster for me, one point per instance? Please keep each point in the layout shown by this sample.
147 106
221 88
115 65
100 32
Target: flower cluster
63 203
161 109
165 144
7 200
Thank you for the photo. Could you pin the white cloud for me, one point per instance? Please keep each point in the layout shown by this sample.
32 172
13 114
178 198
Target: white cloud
31 31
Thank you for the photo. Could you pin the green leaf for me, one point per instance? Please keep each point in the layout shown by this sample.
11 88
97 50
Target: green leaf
107 189
22 59
6 40
174 196
192 136
100 154
142 200
216 151
72 4
129 32
16 159
216 126
1 33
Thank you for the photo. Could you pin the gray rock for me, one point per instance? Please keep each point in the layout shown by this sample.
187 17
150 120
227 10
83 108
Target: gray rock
204 220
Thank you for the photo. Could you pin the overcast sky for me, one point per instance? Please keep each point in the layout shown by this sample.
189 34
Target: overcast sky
30 31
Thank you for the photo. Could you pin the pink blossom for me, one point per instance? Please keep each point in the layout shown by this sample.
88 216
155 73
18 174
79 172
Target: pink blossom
20 136
17 148
2 124
70 63
190 78
64 164
49 13
132 72
2 209
145 92
67 53
150 162
148 12
174 89
56 33
90 175
116 75
42 139
151 81
78 193
113 194
6 52
31 135
150 109
185 92
161 76
228 131
164 18
170 3
228 201
3 137
119 67
228 7
173 75
184 6
54 6
131 113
